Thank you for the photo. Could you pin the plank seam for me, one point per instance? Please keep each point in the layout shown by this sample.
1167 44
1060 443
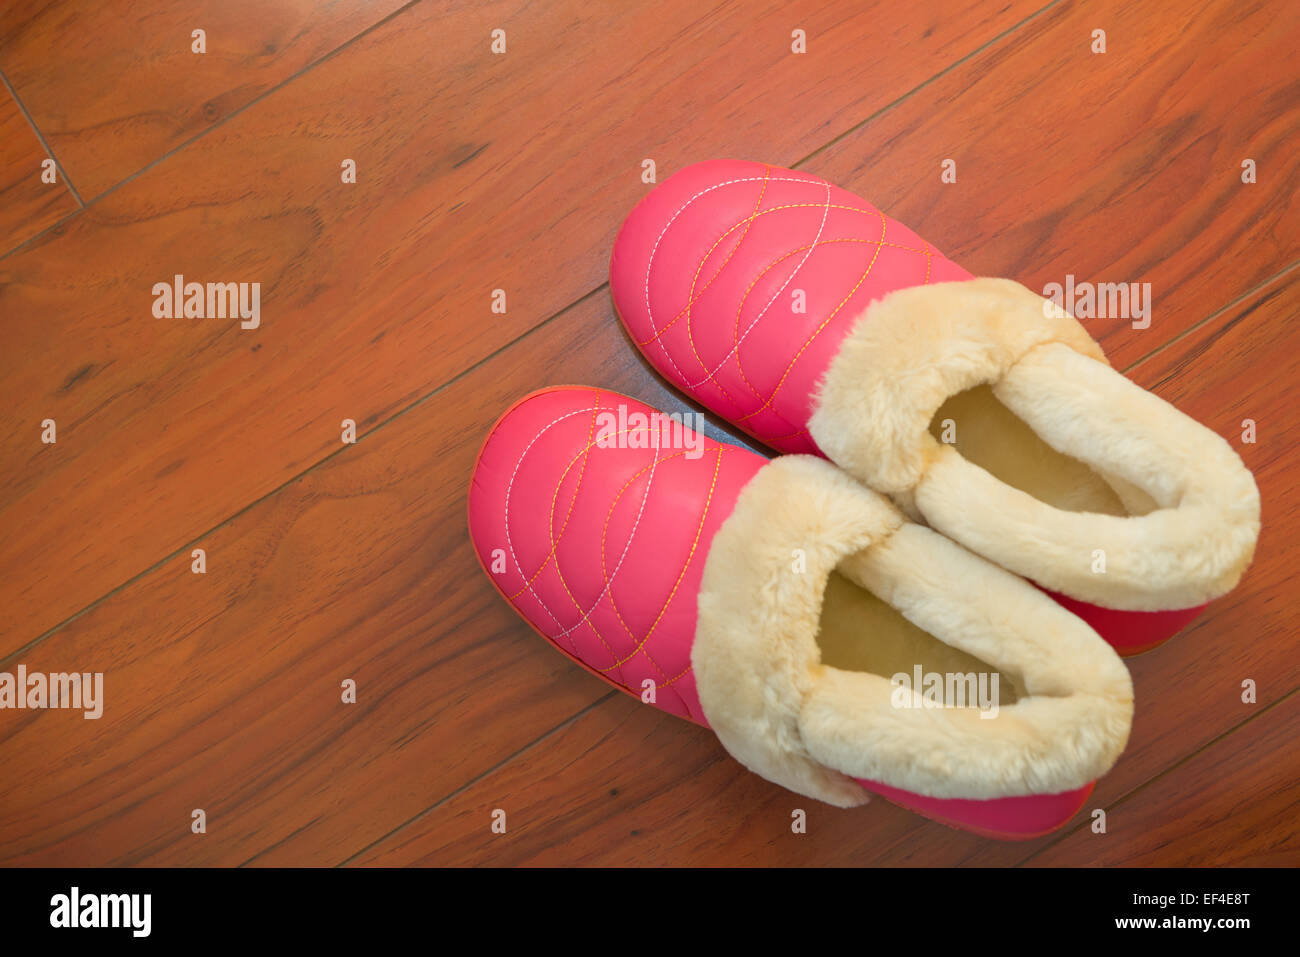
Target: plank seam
342 449
1254 290
508 759
67 180
202 133
1135 790
311 66
1142 786
917 89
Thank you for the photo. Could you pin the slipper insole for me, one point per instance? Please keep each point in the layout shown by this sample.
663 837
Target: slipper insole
859 632
990 435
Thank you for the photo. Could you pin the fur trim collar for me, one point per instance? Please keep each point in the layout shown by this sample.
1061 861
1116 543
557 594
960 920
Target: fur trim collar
814 728
917 347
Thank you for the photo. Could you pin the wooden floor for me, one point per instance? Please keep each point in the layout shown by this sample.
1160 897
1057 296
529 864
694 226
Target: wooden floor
478 171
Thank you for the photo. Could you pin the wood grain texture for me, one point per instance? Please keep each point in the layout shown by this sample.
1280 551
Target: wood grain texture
328 562
675 804
654 791
1238 366
1115 167
405 629
1234 804
27 204
474 174
224 689
129 88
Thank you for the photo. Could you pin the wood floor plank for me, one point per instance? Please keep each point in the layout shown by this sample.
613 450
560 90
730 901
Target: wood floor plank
265 743
475 173
128 86
1242 365
680 802
223 690
1123 166
28 204
1234 804
627 785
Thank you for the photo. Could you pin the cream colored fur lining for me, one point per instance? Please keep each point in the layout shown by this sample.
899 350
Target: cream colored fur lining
915 348
813 728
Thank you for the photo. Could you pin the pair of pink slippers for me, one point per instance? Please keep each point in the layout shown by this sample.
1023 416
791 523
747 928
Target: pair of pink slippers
924 597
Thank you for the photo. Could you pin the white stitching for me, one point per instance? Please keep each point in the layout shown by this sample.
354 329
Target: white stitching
509 488
654 249
826 212
626 547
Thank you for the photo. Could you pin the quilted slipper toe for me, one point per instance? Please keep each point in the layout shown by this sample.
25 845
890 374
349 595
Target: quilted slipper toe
834 647
814 322
591 513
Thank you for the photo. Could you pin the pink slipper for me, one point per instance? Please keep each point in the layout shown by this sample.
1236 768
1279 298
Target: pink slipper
834 647
808 318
